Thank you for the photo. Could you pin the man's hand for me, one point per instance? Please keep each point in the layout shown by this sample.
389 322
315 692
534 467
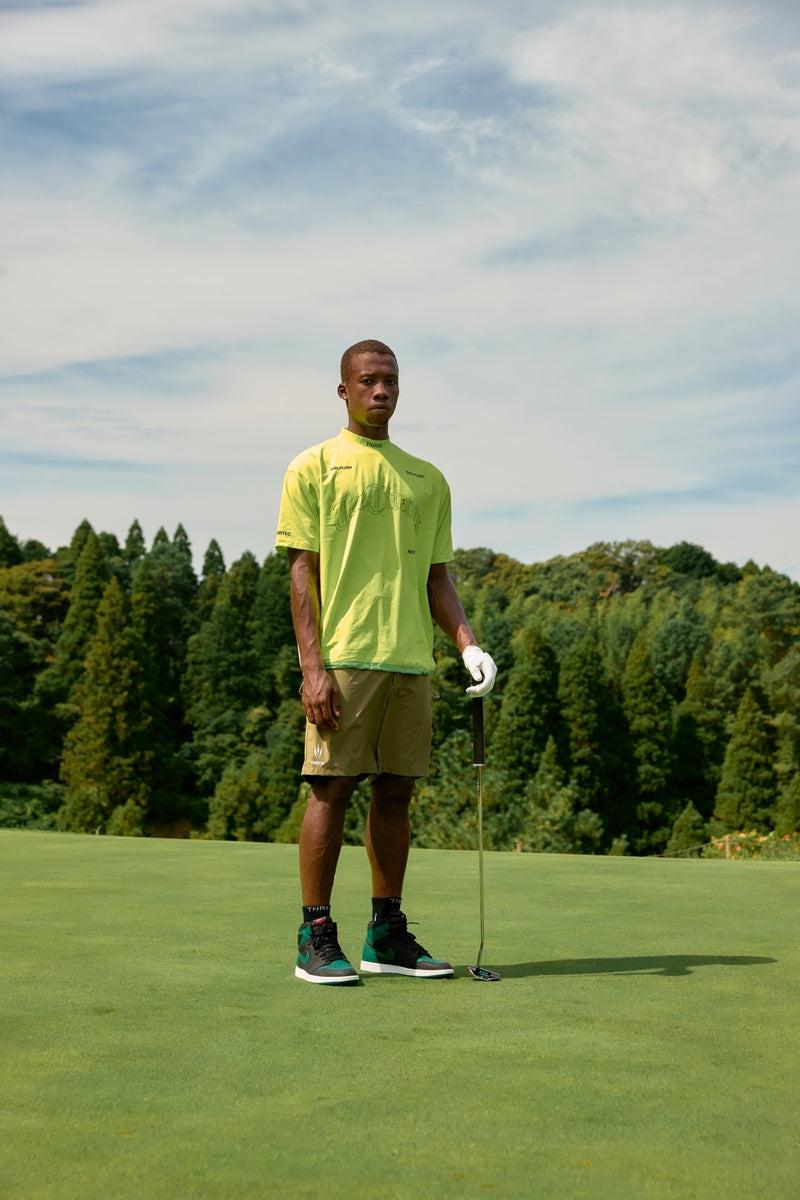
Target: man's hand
482 668
321 700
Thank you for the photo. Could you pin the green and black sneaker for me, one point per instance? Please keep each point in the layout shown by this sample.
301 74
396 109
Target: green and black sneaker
391 950
319 955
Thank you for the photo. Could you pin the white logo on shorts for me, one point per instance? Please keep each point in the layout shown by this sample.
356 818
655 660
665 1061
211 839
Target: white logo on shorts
318 757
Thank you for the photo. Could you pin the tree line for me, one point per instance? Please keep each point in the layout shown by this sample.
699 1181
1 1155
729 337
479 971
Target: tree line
647 698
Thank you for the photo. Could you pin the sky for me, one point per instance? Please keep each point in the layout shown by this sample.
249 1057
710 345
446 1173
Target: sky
575 222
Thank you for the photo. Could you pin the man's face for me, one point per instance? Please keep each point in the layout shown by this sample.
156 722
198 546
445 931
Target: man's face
370 393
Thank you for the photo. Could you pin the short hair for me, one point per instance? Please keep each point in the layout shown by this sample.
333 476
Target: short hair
368 347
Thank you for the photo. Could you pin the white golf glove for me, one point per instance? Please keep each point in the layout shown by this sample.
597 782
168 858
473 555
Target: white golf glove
481 667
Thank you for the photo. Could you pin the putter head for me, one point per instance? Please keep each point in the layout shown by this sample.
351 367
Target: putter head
484 975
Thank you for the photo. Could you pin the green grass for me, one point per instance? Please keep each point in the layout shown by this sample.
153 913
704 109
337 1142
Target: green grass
641 1043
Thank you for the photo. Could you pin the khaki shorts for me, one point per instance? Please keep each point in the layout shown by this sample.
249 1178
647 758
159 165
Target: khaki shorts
384 726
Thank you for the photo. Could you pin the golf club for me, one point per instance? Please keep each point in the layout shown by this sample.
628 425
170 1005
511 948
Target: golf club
479 972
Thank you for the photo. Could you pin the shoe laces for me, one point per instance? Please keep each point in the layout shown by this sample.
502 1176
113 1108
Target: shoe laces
402 935
324 935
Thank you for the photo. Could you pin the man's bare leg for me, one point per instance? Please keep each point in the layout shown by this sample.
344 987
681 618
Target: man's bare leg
321 837
390 948
388 833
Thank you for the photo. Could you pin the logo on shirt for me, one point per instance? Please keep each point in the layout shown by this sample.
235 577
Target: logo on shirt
375 500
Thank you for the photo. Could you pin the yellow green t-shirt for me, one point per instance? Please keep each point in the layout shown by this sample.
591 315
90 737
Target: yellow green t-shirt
378 518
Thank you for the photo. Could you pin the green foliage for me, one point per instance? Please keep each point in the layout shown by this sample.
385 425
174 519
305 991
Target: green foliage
238 809
443 808
289 829
135 547
677 635
601 765
698 742
221 680
689 559
787 811
529 715
107 761
279 673
260 784
58 681
30 806
688 833
160 653
747 790
213 561
126 820
553 820
35 597
617 718
646 709
10 549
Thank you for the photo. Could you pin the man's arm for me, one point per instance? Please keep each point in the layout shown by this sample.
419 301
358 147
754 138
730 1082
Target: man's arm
320 698
446 608
449 615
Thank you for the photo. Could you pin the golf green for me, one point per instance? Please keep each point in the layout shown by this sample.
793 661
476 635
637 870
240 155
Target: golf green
642 1040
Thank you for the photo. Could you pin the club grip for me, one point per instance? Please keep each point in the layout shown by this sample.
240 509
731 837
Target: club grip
477 731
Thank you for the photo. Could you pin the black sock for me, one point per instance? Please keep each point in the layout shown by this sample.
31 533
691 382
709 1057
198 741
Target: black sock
313 912
383 905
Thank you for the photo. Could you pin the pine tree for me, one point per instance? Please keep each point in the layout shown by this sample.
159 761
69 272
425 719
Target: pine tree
747 790
787 812
443 810
135 547
221 682
699 742
600 755
782 687
675 641
768 607
213 561
647 712
59 681
274 640
16 655
255 795
554 823
212 575
236 812
285 763
173 622
10 550
529 715
107 759
159 681
68 557
688 833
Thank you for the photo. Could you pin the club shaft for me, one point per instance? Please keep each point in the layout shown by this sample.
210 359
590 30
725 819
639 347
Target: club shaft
480 856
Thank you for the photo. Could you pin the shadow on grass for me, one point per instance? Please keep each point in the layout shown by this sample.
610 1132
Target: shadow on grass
656 964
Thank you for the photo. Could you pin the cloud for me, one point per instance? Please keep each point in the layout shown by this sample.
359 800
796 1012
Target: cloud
576 226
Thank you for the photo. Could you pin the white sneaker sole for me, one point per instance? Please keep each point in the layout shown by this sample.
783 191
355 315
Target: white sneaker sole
373 968
340 979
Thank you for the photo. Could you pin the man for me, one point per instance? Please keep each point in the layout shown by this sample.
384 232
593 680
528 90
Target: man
366 528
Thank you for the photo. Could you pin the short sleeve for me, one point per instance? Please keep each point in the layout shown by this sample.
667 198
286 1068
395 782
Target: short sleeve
298 519
443 541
